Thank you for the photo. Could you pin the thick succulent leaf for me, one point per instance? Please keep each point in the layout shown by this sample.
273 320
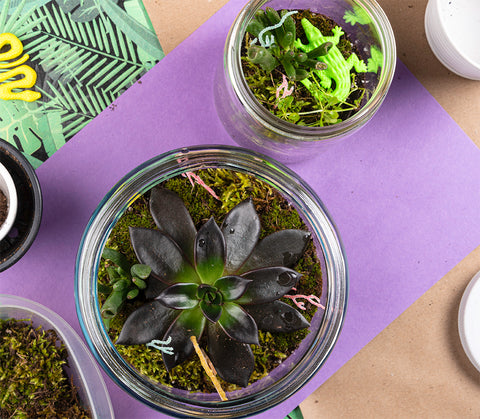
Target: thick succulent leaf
282 248
181 296
141 271
188 323
209 252
238 324
232 287
148 322
277 316
233 361
162 254
118 259
268 284
241 229
211 311
154 286
172 217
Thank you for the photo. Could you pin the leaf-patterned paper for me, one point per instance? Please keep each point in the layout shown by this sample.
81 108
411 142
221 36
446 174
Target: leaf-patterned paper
85 53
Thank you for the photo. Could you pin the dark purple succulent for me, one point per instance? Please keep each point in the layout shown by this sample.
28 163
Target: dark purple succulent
222 283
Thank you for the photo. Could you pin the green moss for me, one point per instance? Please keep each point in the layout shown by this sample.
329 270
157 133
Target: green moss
33 382
275 214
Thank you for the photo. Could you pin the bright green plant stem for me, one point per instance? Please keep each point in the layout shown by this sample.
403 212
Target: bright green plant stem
125 283
338 68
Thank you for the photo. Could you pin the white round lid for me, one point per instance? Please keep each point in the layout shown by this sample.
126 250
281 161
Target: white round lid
469 321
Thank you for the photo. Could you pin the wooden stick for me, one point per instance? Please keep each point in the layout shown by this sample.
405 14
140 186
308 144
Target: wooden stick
207 366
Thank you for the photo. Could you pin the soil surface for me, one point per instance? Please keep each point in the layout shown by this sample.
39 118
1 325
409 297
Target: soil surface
3 207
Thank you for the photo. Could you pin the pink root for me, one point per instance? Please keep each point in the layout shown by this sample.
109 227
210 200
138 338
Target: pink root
193 178
312 299
284 87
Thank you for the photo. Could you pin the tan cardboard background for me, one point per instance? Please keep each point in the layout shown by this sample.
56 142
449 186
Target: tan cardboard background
416 367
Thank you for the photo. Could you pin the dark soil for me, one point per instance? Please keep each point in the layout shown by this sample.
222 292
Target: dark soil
3 208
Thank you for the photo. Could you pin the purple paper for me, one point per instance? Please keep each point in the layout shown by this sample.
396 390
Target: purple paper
404 193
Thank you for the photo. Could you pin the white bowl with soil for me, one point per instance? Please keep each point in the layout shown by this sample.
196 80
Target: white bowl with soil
8 201
22 228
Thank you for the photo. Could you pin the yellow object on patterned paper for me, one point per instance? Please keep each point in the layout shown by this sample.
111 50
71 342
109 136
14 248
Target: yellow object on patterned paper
29 75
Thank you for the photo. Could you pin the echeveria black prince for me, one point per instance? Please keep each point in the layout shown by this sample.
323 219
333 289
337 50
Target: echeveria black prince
220 284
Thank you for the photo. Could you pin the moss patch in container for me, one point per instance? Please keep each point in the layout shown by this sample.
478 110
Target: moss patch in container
33 382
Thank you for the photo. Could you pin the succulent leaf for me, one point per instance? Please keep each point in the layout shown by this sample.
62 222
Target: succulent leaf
118 259
209 252
211 311
268 284
172 217
282 248
277 316
113 303
113 274
162 254
150 321
153 286
140 271
140 283
241 229
238 324
180 296
188 323
232 287
233 361
262 56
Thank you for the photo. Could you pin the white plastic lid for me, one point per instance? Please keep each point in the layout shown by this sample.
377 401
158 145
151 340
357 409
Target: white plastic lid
469 321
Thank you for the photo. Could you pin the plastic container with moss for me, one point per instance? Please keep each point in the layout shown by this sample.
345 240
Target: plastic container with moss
46 369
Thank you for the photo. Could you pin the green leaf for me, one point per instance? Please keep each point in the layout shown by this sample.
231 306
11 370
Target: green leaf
117 258
211 311
238 324
232 287
113 303
209 252
189 323
133 293
180 296
268 284
133 30
141 271
150 321
140 283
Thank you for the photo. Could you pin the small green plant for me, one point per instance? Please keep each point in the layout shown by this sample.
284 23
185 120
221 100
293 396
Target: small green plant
276 34
310 84
125 283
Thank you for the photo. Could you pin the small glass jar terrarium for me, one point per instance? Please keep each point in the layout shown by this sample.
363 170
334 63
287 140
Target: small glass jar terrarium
211 282
297 76
32 337
22 200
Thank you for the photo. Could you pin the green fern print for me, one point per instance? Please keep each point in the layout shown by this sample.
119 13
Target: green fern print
85 53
